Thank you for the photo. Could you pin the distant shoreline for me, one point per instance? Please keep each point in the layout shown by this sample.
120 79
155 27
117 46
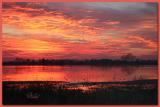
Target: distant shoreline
96 62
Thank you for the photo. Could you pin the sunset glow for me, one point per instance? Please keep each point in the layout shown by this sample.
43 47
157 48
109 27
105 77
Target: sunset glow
79 30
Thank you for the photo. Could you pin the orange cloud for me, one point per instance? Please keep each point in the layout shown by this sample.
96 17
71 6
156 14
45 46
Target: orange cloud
34 31
148 43
30 46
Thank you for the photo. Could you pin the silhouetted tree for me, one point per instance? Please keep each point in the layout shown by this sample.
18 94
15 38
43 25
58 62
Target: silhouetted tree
128 57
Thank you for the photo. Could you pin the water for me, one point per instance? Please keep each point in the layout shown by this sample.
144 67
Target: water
79 73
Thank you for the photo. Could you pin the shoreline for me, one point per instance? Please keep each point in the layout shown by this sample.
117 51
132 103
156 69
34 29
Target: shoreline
110 82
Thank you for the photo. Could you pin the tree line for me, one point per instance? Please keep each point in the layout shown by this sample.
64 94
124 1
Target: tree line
127 59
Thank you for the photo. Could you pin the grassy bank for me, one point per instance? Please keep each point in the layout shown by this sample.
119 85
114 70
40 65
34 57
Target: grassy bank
141 92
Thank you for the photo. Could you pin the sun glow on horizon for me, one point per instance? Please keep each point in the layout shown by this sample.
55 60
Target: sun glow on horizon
40 46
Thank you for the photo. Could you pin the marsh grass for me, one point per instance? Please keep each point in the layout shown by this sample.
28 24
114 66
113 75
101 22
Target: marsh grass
140 92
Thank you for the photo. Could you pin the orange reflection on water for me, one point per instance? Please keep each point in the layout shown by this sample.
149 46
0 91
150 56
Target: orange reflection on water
80 87
31 73
35 76
78 73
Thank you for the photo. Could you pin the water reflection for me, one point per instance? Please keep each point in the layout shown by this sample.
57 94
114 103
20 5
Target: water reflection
78 73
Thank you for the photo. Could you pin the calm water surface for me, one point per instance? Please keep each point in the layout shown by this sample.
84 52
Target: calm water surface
78 73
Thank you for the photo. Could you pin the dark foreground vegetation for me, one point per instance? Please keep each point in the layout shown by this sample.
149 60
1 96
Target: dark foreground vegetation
140 92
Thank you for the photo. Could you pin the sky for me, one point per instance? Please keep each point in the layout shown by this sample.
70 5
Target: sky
86 30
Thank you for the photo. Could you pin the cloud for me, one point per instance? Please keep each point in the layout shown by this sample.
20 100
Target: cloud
97 29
